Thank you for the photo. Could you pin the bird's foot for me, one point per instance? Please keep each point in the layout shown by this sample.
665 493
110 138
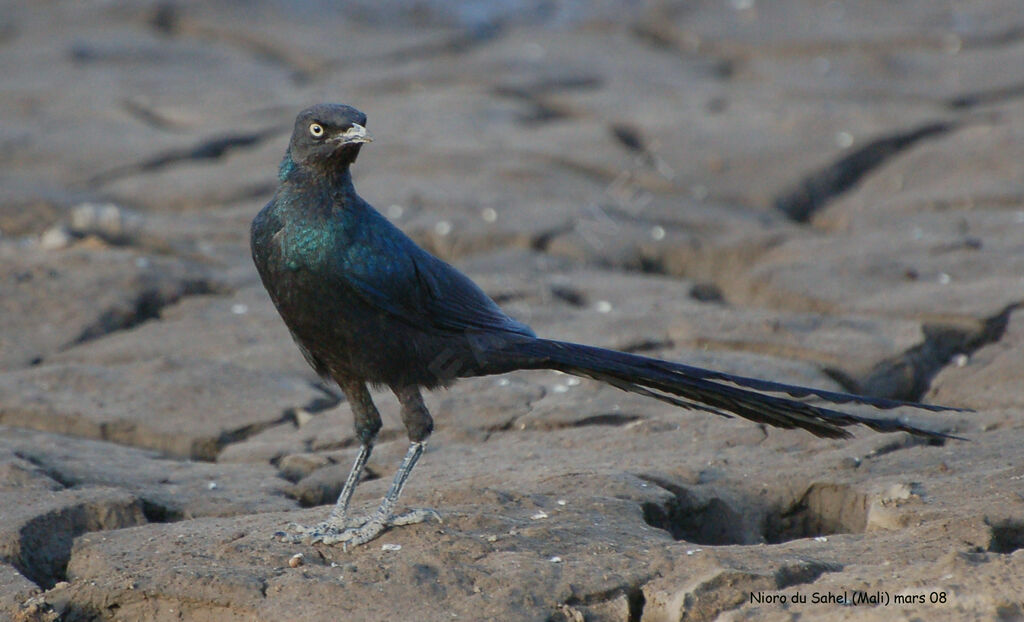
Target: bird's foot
354 530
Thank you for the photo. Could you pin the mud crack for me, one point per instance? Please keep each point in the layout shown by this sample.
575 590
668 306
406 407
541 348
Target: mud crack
817 189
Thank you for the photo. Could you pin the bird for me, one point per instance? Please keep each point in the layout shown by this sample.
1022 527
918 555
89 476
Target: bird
368 307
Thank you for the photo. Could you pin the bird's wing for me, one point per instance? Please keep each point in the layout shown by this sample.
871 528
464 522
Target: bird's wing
389 271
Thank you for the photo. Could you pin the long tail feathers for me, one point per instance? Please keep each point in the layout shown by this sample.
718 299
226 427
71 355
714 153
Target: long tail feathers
704 389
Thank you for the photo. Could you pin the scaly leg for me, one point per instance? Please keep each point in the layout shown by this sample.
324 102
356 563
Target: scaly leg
348 530
367 424
383 518
419 425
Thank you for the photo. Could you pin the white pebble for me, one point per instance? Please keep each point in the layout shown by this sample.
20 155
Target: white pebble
296 560
302 417
83 216
54 238
693 551
391 547
555 560
657 232
489 214
961 360
395 211
239 309
443 227
110 218
821 539
541 515
212 485
560 388
603 306
944 278
844 139
572 381
561 502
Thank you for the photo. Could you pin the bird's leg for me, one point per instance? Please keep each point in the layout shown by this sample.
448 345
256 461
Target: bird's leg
419 424
339 515
367 424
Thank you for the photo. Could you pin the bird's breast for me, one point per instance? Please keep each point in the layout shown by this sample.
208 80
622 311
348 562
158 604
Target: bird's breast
304 247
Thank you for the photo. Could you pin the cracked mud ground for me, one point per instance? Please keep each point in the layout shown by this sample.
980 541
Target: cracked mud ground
826 193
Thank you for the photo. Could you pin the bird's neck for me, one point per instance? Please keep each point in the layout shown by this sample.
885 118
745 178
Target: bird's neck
332 175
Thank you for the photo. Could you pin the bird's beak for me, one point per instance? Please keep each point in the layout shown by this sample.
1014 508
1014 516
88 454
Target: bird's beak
354 135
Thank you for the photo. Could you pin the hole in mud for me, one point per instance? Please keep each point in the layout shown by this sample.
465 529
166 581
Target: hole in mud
1006 536
688 516
823 510
159 513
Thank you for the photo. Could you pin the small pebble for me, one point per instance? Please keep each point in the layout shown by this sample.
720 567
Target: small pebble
539 515
239 309
555 560
560 388
603 306
296 560
821 539
961 360
657 232
944 278
844 139
302 417
489 214
212 485
391 547
443 227
54 238
561 502
395 211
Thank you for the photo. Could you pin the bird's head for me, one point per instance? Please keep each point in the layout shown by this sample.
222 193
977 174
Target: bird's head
328 135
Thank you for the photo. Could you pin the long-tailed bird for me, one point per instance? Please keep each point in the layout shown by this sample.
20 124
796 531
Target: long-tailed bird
366 305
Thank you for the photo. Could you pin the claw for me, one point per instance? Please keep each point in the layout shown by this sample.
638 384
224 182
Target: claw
354 531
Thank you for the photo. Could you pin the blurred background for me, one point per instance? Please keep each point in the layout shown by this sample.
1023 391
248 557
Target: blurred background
815 191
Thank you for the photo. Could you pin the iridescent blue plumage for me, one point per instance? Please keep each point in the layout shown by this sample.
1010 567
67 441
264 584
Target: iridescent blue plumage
365 304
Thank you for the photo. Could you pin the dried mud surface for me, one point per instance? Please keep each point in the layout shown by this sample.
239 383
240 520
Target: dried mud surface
824 193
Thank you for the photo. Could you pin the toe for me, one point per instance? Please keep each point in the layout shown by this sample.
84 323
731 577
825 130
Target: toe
412 517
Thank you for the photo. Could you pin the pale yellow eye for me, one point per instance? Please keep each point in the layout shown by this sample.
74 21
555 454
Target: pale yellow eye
316 130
